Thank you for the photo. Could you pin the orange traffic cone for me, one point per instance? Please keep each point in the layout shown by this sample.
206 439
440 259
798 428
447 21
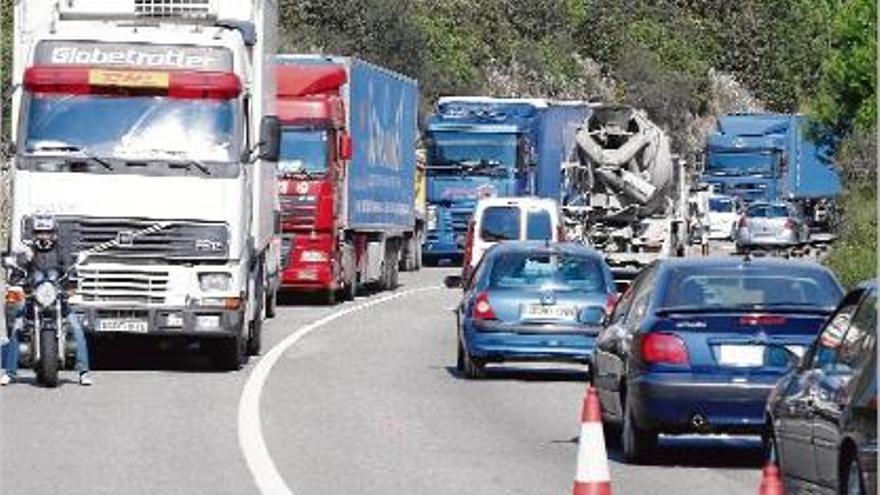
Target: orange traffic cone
592 477
771 482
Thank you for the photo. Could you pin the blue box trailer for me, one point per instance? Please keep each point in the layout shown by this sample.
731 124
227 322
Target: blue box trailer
560 122
484 146
382 111
768 157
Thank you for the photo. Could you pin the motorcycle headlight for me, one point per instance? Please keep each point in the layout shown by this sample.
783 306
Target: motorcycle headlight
46 293
218 282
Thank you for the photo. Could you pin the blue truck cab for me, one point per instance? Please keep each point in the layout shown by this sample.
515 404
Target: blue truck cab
481 147
769 157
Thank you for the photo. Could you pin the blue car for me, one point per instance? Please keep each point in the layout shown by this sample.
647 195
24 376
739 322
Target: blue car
696 345
532 301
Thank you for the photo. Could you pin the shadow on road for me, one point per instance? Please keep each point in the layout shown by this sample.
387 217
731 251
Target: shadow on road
320 298
700 452
525 374
140 354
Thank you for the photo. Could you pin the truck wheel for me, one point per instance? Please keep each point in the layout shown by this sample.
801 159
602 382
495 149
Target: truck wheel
271 304
419 260
47 366
228 354
255 339
409 259
349 289
394 277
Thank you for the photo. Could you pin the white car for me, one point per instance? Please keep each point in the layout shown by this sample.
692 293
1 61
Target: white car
509 219
721 216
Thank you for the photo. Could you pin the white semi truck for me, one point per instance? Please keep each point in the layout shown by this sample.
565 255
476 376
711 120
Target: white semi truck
146 129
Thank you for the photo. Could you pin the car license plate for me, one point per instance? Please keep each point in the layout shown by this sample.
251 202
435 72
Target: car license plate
127 325
548 312
741 355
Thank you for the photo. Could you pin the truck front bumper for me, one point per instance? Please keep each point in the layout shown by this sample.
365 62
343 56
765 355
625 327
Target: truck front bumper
164 321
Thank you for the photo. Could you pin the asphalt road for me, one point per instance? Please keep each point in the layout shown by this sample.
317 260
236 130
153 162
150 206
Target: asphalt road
368 402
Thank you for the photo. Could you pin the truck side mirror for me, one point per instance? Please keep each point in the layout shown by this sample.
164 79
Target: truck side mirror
270 139
345 146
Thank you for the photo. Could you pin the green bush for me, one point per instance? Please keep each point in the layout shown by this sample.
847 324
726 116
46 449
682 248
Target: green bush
854 255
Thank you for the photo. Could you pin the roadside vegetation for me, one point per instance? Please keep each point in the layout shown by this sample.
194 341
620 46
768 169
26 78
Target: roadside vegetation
684 61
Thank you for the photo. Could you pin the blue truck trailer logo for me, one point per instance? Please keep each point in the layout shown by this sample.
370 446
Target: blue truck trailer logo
768 157
479 147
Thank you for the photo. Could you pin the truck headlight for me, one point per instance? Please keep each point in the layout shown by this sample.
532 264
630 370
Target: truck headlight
215 282
46 293
431 217
312 256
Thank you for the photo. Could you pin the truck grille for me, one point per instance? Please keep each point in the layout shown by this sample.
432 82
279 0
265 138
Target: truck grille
143 239
122 285
459 220
298 212
172 8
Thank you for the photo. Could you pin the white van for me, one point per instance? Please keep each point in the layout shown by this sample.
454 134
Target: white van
509 219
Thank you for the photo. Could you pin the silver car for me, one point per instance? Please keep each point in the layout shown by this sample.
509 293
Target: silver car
771 225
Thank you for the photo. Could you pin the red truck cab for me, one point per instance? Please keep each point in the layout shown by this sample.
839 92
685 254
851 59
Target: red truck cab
315 147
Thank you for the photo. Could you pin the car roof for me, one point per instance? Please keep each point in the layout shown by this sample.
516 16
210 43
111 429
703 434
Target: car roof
736 261
543 247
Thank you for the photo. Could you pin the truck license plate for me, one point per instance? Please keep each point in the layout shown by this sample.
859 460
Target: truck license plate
548 312
127 325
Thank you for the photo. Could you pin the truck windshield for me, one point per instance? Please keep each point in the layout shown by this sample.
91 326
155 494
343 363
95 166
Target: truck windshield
303 151
740 163
141 127
472 153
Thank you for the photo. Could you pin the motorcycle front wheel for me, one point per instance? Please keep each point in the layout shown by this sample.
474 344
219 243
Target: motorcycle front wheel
47 366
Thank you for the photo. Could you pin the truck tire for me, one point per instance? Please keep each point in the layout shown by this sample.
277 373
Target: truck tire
48 365
349 289
409 263
255 326
419 260
271 304
255 337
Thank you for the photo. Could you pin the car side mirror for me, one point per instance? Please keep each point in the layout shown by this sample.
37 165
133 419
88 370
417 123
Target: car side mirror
270 139
453 281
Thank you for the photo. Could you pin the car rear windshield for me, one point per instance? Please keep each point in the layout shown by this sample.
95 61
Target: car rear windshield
500 223
539 225
768 212
722 205
706 287
559 271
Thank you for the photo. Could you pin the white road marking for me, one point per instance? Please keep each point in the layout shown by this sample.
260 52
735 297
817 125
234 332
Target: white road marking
250 430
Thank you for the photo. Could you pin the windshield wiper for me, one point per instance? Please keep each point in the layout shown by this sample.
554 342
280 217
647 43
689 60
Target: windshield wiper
185 161
75 149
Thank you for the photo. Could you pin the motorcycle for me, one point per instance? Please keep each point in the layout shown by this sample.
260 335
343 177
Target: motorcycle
37 278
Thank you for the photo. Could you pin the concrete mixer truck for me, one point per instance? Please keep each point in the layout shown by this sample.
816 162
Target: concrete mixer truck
622 190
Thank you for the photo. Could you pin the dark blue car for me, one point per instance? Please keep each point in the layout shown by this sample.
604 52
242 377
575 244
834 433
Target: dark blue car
695 345
532 301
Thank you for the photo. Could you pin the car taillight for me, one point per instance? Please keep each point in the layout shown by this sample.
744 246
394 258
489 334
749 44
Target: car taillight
610 303
663 348
789 224
482 309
